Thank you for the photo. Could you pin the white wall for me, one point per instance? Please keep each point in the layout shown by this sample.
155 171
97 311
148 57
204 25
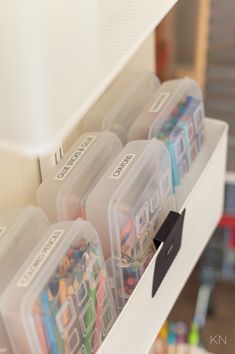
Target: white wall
20 176
19 180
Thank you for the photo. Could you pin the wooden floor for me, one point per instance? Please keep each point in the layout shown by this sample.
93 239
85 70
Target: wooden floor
220 322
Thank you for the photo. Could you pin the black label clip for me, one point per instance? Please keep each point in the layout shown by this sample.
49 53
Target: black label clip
170 234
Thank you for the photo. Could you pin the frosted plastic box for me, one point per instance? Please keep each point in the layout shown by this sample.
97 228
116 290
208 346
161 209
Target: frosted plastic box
60 301
63 194
160 106
20 230
181 136
127 207
120 106
174 114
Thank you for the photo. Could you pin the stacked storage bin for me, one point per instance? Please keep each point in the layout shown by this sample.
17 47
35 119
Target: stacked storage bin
59 301
127 207
63 194
174 114
20 230
118 109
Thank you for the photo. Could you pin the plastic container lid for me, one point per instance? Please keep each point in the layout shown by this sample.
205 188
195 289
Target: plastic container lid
120 106
60 301
180 132
160 106
62 195
127 207
20 230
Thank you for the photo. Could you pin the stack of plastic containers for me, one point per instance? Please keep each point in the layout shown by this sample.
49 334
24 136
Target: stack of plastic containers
63 194
174 114
60 301
127 207
120 106
20 231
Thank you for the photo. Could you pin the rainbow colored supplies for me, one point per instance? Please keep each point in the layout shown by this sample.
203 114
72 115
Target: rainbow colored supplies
127 207
60 301
20 230
177 338
63 194
179 133
122 103
174 114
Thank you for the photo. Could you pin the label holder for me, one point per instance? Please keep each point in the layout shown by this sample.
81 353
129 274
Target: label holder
170 234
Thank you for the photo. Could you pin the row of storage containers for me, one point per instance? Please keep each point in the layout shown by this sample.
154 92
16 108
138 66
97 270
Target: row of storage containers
62 286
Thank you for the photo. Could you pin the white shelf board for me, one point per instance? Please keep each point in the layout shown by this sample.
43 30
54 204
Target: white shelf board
202 195
58 57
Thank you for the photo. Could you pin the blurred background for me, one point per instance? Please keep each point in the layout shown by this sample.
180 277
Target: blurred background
198 39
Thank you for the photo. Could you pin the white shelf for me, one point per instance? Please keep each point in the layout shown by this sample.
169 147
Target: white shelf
58 57
201 193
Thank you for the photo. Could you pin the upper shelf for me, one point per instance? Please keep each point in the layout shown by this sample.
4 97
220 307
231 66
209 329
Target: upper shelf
58 57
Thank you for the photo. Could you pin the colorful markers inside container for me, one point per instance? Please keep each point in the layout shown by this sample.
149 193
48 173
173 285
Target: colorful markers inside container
60 302
182 134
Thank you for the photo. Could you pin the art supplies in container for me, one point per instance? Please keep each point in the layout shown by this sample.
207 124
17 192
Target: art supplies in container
122 103
177 338
127 207
63 194
60 301
174 114
183 136
20 230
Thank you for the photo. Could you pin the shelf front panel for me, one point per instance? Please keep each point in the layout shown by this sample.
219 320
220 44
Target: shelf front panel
202 194
58 57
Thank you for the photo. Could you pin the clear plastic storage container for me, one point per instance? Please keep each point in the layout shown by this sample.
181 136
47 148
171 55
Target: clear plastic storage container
62 195
174 114
160 106
127 207
60 301
117 109
20 230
